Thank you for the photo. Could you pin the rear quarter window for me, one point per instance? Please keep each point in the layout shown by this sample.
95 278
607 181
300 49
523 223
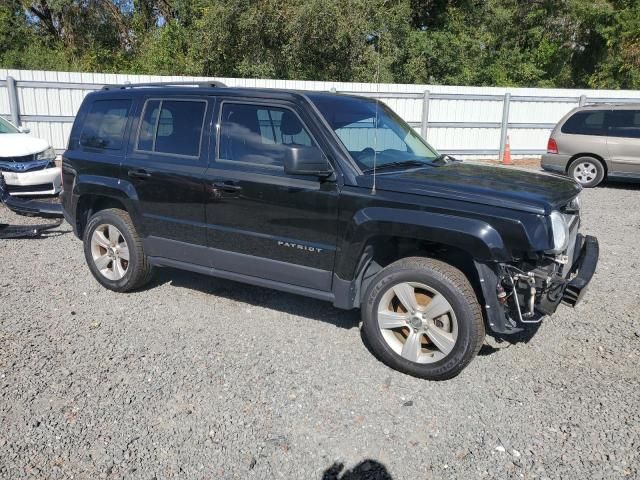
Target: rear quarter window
591 122
105 124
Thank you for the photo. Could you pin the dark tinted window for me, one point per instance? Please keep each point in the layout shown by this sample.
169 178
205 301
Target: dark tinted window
148 126
624 123
590 122
172 126
105 124
258 134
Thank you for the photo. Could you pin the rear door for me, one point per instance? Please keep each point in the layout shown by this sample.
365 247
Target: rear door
623 142
261 221
165 164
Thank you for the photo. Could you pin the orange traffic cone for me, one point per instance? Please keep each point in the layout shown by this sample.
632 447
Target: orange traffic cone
506 156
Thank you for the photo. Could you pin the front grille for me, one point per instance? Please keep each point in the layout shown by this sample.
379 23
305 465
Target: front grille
23 158
42 187
24 166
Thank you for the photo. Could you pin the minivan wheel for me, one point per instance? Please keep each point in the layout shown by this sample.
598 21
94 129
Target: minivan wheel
587 171
114 252
421 316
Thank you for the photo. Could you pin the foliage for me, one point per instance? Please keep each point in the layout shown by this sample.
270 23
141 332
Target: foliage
545 43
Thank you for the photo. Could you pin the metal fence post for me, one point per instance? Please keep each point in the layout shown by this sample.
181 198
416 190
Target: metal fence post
505 123
14 106
425 114
583 100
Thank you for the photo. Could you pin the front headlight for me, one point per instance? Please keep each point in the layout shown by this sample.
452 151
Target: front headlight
574 206
48 154
560 231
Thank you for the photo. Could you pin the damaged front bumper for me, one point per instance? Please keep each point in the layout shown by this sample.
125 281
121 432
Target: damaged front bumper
515 298
30 208
46 181
586 267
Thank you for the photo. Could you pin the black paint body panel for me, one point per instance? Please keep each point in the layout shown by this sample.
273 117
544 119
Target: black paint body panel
300 233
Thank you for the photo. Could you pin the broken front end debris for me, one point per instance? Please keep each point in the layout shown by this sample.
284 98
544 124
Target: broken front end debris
28 208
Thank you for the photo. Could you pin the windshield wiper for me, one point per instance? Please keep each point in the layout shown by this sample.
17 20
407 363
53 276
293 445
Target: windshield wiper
404 163
444 158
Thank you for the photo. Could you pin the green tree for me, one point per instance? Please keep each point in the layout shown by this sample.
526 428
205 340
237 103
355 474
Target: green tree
544 43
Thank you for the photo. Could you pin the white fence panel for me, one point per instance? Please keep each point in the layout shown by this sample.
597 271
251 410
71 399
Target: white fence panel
466 121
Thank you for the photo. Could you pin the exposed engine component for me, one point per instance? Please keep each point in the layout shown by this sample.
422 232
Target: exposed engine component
527 294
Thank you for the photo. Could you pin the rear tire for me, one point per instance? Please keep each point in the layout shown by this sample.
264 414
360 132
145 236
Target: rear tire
113 250
437 333
587 171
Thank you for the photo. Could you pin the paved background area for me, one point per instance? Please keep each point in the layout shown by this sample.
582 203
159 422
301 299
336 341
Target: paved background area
196 377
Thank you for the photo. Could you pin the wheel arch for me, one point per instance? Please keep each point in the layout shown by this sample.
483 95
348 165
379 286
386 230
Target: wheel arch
405 247
92 194
592 155
378 236
376 229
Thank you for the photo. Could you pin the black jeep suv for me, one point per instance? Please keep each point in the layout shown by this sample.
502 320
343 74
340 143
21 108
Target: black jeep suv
329 196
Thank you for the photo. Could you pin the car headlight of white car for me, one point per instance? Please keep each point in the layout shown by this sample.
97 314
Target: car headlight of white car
48 154
560 231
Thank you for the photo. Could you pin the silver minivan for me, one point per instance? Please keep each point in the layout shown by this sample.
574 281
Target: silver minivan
595 142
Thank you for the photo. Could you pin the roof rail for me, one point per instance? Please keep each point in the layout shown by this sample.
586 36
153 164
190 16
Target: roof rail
201 84
616 103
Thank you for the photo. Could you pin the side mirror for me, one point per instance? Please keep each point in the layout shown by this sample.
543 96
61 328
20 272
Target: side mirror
24 129
299 160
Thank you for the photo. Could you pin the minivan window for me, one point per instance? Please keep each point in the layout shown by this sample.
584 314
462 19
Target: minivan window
258 134
105 124
624 123
172 127
589 122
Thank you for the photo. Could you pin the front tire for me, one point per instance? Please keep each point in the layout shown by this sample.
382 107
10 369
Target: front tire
113 250
421 317
587 171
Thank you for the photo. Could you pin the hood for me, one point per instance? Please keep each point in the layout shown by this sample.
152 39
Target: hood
20 144
534 192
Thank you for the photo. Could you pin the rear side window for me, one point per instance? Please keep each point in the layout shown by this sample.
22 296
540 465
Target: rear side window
172 127
104 126
624 123
258 134
589 122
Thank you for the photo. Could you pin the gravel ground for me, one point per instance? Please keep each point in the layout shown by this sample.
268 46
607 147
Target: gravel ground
202 378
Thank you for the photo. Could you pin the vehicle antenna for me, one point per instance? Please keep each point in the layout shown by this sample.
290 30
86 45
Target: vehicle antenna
376 39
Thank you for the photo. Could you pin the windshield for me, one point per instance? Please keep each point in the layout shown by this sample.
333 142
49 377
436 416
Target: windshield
390 138
6 127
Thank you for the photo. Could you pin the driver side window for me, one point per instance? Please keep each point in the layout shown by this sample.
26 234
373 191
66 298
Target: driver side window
259 134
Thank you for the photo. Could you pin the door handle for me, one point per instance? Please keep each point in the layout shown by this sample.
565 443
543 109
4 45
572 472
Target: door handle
227 187
138 173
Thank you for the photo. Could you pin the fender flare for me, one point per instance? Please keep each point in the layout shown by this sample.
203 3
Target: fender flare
107 187
474 236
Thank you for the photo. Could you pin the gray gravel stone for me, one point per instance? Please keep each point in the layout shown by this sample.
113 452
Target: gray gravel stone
196 377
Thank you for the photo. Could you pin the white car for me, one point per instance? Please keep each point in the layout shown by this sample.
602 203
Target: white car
27 163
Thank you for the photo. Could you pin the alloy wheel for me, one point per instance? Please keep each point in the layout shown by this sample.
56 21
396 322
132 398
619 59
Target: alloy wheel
417 322
110 252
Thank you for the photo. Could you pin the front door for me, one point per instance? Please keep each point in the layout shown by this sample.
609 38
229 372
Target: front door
623 142
261 221
165 164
